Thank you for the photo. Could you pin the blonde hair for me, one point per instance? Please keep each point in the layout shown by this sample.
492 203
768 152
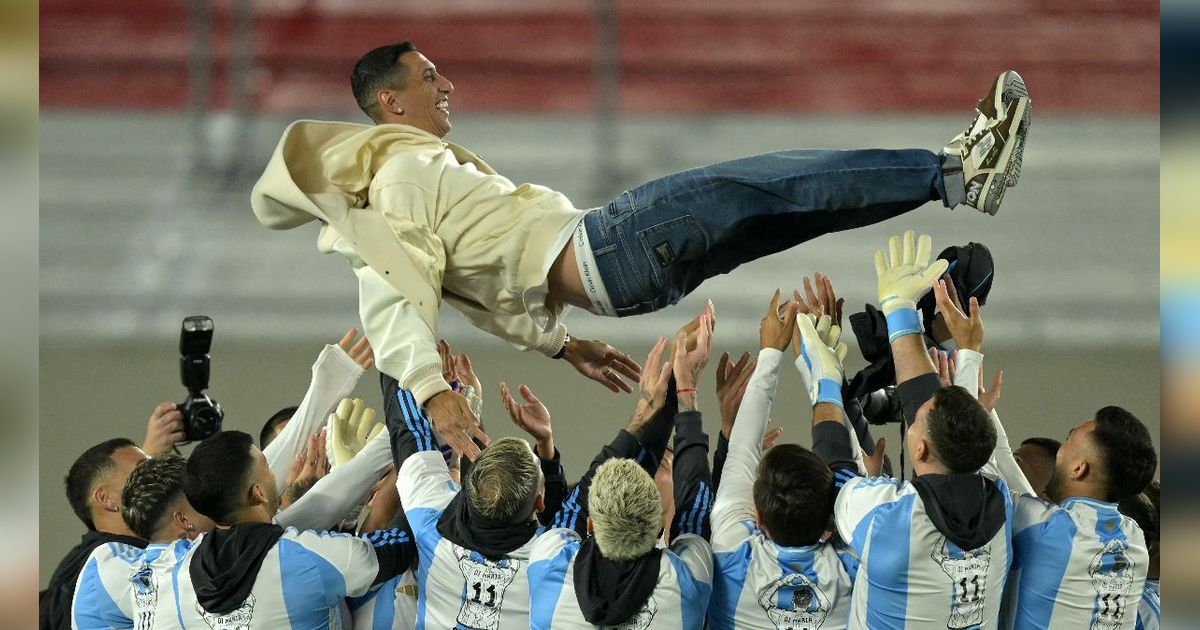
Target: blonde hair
503 484
626 510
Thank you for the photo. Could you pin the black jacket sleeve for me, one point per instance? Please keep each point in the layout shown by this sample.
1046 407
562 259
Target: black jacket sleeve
719 460
831 442
914 392
395 549
657 432
556 487
574 513
691 477
408 428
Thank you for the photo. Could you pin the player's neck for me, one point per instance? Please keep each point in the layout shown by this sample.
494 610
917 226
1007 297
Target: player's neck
112 523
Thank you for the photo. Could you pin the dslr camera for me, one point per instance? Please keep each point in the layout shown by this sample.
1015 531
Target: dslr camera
202 415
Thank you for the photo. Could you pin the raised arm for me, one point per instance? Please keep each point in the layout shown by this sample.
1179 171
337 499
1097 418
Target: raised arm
652 395
734 504
334 376
968 334
904 276
532 417
336 494
691 477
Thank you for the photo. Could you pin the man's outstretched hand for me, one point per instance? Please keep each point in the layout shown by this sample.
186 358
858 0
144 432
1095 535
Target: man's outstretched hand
451 417
602 363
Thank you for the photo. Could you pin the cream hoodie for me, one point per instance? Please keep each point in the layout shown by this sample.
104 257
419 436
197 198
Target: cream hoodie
420 219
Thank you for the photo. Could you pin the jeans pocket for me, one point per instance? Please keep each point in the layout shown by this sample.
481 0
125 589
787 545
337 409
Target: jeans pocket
668 248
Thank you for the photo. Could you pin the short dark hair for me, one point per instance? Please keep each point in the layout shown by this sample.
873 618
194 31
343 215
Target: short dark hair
793 495
1050 445
268 432
376 70
960 430
1126 453
217 472
152 486
93 463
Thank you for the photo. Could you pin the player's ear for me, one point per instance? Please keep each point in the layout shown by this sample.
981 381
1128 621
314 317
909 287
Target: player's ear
1080 469
257 495
539 503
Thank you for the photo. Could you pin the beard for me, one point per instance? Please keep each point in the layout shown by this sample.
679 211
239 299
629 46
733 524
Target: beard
1054 487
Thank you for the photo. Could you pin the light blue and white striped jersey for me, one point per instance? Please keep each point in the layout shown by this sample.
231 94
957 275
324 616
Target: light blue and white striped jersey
392 606
1078 564
678 601
102 595
761 585
457 587
758 584
1150 609
154 584
910 575
301 584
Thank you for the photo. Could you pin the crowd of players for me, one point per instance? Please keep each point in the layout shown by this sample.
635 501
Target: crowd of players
335 519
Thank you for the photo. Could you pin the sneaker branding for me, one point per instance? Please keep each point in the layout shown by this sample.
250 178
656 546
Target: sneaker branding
979 153
974 188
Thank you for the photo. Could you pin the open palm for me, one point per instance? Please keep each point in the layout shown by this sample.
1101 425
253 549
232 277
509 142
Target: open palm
531 415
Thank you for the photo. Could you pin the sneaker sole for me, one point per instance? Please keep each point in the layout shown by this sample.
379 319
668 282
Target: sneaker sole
997 183
1014 87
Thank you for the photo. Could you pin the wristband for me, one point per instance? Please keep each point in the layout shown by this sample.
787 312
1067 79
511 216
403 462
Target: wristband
901 322
685 390
563 350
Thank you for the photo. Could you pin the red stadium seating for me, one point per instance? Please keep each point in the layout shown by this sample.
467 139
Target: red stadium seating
675 55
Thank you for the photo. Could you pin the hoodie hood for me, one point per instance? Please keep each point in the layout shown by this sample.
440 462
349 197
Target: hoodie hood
226 564
316 161
610 593
967 509
54 603
494 540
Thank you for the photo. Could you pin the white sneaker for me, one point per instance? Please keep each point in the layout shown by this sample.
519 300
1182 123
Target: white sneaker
1008 87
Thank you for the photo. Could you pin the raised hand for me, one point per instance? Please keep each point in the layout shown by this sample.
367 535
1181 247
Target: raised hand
531 416
652 387
301 478
455 423
360 351
905 276
821 355
164 429
351 426
602 363
988 397
732 379
822 301
966 331
944 363
777 327
689 364
874 461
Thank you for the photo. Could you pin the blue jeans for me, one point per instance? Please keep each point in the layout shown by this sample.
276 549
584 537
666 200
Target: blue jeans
656 243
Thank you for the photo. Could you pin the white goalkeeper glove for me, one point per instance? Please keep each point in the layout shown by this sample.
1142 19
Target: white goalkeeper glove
904 279
820 353
351 426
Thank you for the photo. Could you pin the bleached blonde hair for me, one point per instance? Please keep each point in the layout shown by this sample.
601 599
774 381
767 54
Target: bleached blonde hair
626 510
503 484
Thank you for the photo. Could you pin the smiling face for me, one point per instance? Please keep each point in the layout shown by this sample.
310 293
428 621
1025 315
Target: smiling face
424 101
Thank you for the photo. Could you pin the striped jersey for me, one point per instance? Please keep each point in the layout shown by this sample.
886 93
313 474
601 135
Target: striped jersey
910 574
758 584
102 595
678 601
154 585
300 584
456 586
391 606
1078 564
1150 610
